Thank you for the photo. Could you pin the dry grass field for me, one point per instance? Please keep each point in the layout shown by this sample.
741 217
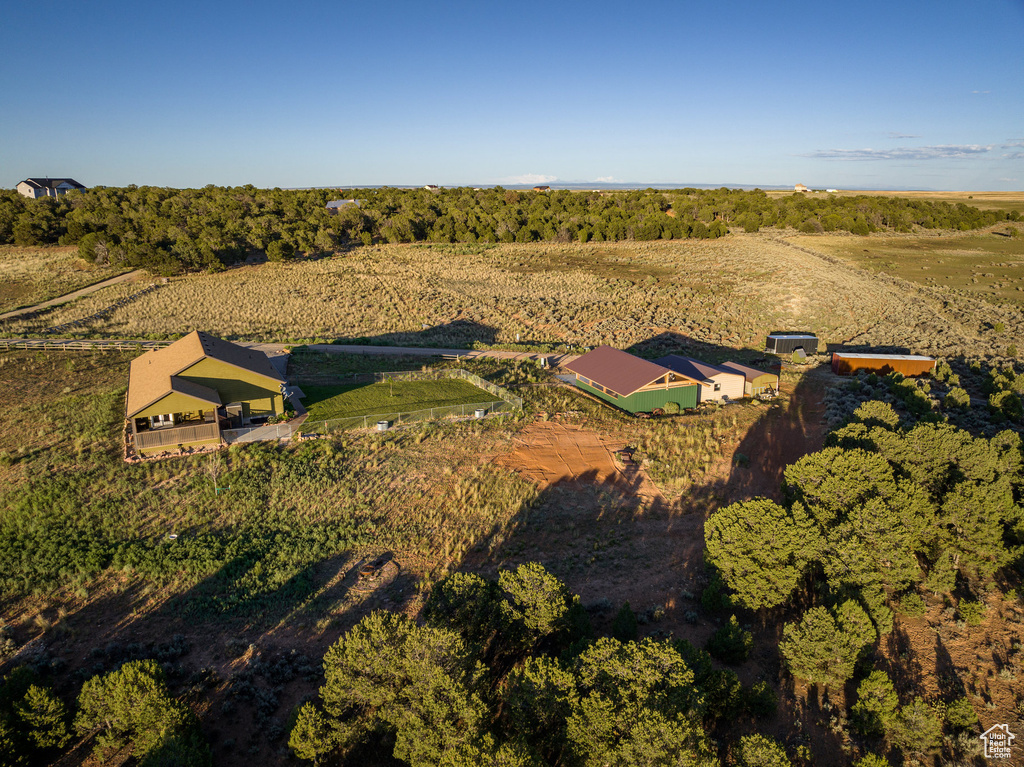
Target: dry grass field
31 275
725 294
989 265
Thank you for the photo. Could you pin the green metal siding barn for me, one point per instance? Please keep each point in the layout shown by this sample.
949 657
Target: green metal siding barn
631 383
646 401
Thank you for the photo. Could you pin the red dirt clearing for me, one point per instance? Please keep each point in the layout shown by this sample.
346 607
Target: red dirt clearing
548 452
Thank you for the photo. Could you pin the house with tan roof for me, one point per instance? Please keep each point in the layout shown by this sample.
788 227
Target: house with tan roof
186 393
633 384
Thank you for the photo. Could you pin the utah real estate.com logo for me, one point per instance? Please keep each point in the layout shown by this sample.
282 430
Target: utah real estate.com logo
998 741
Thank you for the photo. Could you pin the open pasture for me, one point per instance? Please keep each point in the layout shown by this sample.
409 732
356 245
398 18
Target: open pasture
988 265
30 275
646 296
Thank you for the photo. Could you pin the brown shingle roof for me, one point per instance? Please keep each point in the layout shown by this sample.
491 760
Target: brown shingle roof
153 375
616 370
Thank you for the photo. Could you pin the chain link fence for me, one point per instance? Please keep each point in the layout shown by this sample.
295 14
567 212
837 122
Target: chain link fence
412 375
505 401
476 410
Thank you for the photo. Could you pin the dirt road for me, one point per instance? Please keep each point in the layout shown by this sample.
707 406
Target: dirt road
128 276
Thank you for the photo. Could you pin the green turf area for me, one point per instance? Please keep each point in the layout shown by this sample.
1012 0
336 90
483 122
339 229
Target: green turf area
327 402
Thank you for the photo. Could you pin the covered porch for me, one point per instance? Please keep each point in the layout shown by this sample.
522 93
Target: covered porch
163 430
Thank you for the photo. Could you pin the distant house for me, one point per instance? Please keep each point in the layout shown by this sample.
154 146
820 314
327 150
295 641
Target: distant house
848 363
717 384
631 383
755 381
542 189
432 188
336 206
47 187
800 188
185 393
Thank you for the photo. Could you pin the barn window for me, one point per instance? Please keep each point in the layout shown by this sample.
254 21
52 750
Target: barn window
718 387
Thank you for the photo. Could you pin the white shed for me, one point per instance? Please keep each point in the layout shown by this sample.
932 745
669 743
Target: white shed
716 384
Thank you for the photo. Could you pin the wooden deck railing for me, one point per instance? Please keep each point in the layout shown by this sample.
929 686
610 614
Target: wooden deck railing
176 435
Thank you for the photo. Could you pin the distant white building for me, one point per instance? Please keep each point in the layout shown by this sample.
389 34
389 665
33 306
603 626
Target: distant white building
47 187
799 188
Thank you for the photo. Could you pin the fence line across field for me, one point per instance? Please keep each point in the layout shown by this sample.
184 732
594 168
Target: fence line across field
79 345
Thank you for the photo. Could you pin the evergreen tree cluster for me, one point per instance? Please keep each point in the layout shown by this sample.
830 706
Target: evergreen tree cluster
508 672
126 708
882 511
170 230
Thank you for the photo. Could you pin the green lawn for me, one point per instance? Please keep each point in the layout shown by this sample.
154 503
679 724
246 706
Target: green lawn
327 402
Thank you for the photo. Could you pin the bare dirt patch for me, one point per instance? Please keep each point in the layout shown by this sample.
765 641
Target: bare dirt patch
548 452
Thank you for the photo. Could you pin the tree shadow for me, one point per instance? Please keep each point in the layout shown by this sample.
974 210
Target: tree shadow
788 430
951 686
245 656
904 665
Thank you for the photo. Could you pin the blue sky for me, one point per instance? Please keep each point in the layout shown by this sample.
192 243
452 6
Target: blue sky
897 95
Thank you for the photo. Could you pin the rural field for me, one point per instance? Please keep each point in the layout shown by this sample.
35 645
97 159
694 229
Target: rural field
988 266
642 296
238 569
30 275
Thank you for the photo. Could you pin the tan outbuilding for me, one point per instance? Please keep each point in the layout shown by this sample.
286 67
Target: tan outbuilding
756 381
717 384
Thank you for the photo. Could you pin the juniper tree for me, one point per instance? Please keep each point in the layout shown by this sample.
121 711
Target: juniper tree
130 706
761 751
823 646
420 683
45 717
877 705
761 549
637 705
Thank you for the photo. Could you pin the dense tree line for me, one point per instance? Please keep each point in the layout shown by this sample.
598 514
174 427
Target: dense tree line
170 230
509 672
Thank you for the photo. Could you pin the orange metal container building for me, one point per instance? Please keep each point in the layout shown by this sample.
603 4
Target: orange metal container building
848 363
